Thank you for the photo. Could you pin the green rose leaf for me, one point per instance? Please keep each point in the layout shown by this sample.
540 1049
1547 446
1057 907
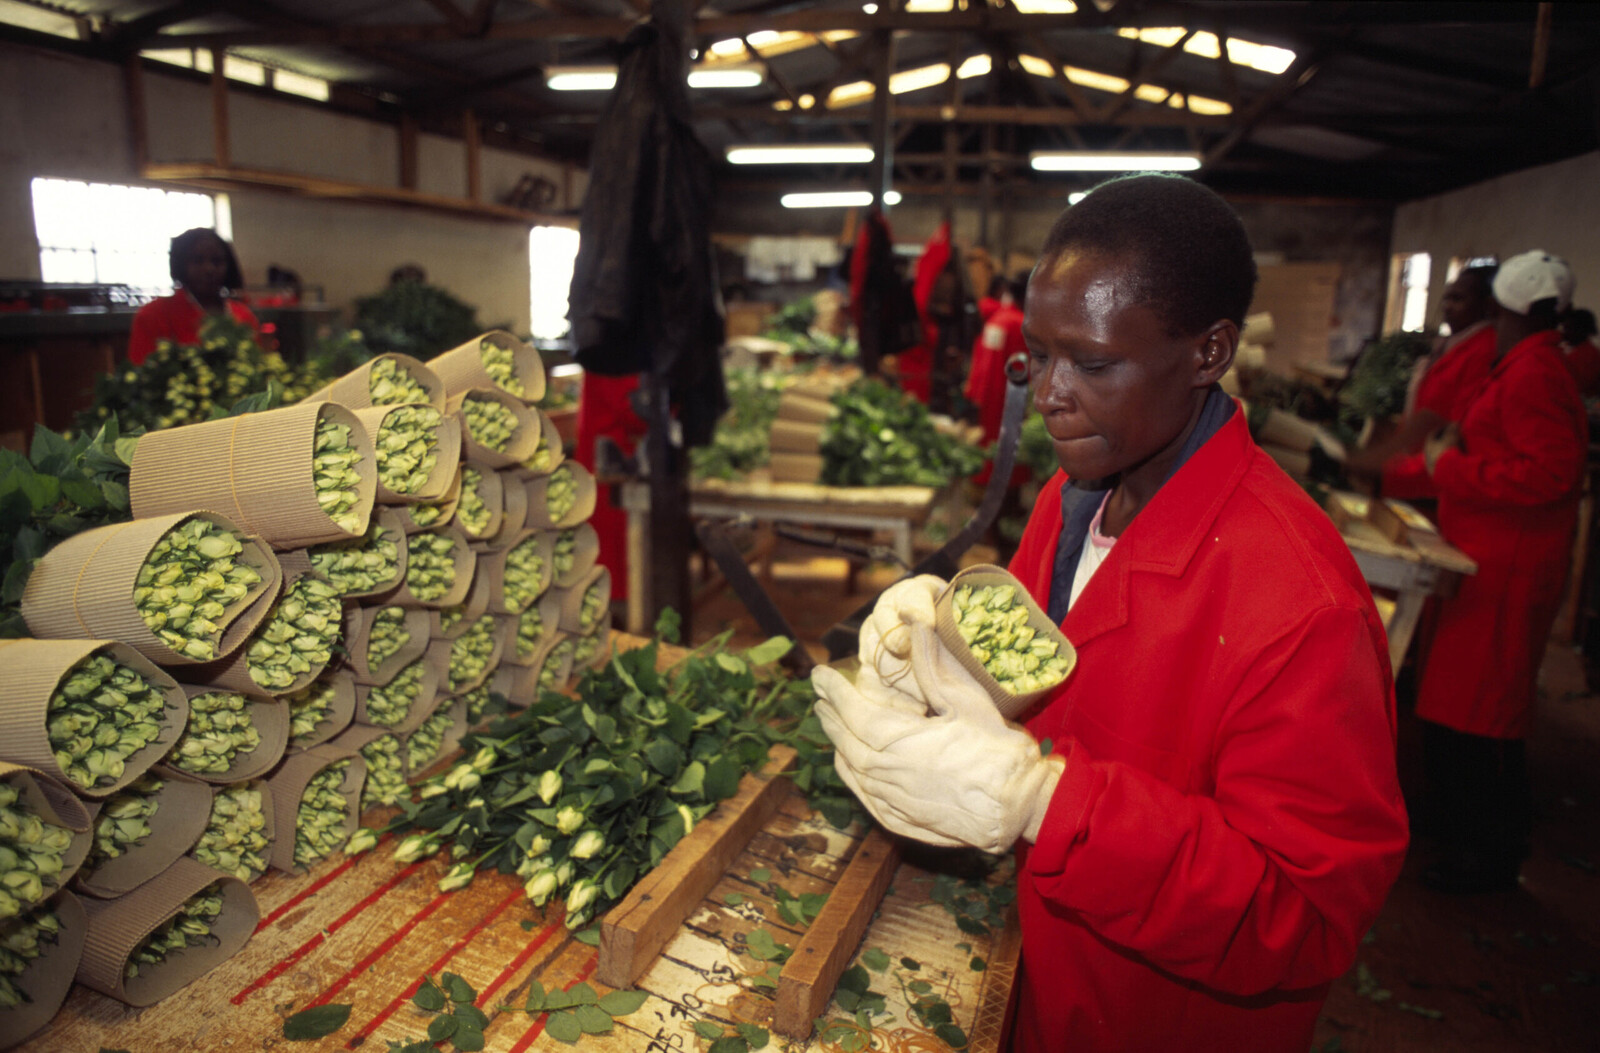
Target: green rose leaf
707 1030
729 1044
583 994
316 1022
951 1035
593 1020
457 988
753 1034
429 997
468 1038
621 1003
441 1027
563 1027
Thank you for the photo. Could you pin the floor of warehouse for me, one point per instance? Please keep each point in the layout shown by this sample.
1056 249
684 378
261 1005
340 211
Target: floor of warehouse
1513 971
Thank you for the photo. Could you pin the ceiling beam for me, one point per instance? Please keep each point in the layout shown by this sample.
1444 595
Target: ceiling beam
132 35
1297 76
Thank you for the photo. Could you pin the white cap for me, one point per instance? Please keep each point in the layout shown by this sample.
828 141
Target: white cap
1525 279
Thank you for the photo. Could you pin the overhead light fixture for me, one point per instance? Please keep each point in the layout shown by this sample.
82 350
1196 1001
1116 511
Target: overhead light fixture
804 153
837 199
1104 161
1076 196
604 78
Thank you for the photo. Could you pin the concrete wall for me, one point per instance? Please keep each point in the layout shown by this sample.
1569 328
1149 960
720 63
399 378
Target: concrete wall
1553 207
65 117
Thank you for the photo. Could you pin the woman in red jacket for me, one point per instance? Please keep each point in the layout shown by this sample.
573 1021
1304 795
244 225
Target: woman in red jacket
1208 812
1508 477
206 272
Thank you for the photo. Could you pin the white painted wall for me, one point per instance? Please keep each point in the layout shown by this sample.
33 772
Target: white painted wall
1553 207
65 117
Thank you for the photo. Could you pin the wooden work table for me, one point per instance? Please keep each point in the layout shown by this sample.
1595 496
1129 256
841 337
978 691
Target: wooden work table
364 931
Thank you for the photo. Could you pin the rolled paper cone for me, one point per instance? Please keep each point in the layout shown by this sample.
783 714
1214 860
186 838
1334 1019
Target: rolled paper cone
804 408
524 439
450 686
118 926
55 804
493 570
462 369
795 467
582 505
83 588
341 711
391 520
456 709
514 514
268 715
435 663
572 618
463 561
555 658
599 650
550 453
46 979
468 611
183 808
491 491
447 454
268 830
1010 705
354 389
447 507
548 612
255 469
358 737
30 672
417 624
288 784
585 551
234 672
790 436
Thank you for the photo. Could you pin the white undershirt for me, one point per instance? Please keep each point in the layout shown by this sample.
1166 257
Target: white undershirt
1096 547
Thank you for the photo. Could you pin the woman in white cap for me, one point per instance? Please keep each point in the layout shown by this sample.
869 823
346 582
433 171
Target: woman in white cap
1508 477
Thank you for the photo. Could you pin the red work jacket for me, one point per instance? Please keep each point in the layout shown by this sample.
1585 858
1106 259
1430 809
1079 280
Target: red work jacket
1449 383
1000 338
604 409
176 318
1509 499
1229 821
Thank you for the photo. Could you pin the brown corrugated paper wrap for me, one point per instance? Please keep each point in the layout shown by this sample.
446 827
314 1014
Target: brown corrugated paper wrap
791 436
572 602
117 926
447 511
447 455
183 808
461 368
269 716
582 506
51 800
357 637
551 440
491 491
456 708
524 440
557 654
492 569
435 664
234 672
83 588
270 828
795 467
354 389
598 656
549 612
391 520
255 469
288 783
449 686
358 737
30 671
983 575
469 609
464 559
806 409
46 979
513 515
340 713
585 550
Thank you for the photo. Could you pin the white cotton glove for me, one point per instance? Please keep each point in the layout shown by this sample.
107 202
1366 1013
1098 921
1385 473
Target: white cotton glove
885 642
958 775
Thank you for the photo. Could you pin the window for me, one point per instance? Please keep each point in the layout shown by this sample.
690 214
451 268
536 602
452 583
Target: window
99 233
552 252
1408 292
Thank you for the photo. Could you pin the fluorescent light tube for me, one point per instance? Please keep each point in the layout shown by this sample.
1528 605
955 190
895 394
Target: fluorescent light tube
805 153
837 199
1097 161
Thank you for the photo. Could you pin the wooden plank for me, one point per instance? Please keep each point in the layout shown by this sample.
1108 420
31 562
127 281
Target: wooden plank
811 974
991 1024
473 142
408 152
634 931
223 155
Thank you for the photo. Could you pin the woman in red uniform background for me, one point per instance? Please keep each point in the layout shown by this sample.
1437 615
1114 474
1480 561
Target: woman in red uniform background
206 272
1207 812
1508 478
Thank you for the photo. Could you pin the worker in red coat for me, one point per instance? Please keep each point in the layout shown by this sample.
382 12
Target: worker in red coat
1583 355
206 273
1508 478
605 409
1000 338
1208 812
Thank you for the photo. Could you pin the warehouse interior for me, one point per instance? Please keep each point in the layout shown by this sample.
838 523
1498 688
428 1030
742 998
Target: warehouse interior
1372 150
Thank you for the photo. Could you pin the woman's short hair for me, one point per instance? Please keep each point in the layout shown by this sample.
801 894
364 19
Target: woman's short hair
184 244
1194 264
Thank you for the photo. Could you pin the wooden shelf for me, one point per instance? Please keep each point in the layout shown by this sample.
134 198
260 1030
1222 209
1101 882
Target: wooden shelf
206 175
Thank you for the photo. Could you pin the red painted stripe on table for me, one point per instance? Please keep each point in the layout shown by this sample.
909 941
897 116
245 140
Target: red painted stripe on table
316 941
316 886
519 961
380 950
538 1025
455 948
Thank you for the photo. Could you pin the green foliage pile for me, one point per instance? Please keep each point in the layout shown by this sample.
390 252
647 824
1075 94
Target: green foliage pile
883 437
742 438
414 318
1377 384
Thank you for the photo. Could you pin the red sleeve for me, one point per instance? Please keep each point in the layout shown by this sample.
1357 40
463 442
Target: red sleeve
148 327
1407 478
1584 362
1542 455
1285 864
1034 561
